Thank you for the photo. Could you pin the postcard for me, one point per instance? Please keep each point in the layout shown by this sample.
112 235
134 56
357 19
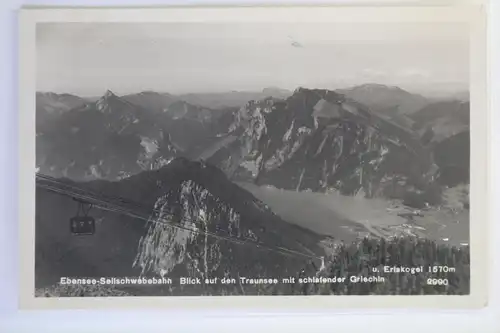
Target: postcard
253 157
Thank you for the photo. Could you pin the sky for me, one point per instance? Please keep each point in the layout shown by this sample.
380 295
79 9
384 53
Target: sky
89 58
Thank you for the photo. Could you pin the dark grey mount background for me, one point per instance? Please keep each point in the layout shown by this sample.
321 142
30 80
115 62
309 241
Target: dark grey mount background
195 154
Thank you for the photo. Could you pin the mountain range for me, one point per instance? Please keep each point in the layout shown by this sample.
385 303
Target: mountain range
158 101
388 99
52 103
316 140
110 138
182 159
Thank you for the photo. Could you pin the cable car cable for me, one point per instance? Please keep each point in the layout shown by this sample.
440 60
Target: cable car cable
280 250
115 208
143 206
148 208
120 199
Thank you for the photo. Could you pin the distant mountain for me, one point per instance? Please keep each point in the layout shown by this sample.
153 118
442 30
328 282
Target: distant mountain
463 96
445 118
444 127
276 92
109 139
385 99
50 105
437 96
193 128
184 110
452 155
149 100
321 141
233 98
192 195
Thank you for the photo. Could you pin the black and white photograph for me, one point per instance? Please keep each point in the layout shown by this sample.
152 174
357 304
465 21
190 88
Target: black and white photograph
240 158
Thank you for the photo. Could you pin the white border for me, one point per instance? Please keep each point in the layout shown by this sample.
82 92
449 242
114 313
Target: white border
474 15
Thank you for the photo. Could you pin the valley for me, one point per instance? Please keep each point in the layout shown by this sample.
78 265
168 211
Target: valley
348 218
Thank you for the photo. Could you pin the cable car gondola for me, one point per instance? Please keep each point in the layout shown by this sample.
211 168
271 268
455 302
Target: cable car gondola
82 224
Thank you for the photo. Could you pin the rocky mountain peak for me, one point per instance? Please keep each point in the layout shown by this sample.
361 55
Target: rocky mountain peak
320 140
109 94
109 102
